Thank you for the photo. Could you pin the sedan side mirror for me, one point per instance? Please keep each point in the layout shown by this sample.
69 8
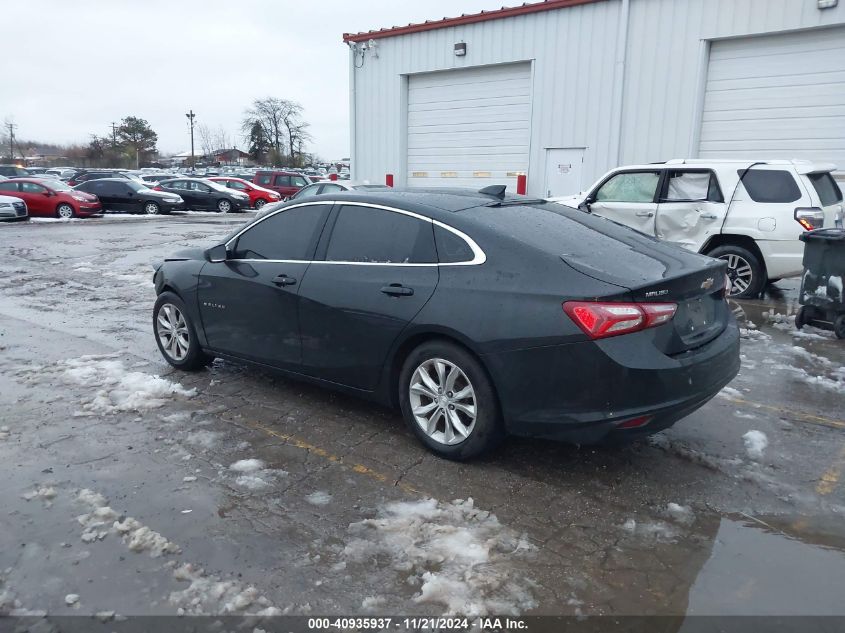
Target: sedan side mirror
217 254
585 206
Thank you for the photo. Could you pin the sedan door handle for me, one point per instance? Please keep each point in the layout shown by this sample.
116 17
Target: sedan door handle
284 280
397 290
645 214
709 216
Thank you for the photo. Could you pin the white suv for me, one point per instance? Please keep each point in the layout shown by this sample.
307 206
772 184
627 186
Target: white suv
747 212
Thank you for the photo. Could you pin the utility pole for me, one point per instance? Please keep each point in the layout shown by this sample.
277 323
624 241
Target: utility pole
191 116
113 134
11 127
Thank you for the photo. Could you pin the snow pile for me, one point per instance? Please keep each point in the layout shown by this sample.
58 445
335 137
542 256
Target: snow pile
372 602
254 474
142 277
461 557
319 498
72 599
209 595
118 388
730 392
680 514
657 531
203 438
755 444
102 520
45 493
247 466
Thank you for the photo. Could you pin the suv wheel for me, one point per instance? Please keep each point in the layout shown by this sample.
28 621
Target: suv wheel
449 402
746 272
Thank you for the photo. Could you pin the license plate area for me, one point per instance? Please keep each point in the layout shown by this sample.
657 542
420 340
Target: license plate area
699 320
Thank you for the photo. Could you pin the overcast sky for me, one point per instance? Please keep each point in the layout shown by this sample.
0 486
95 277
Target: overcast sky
70 68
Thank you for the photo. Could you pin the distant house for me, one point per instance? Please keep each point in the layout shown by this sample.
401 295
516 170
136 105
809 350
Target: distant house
232 156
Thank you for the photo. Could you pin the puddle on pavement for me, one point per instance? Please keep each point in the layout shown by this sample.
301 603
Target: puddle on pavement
772 566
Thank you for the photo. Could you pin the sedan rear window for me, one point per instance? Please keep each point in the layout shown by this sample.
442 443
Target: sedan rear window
770 185
365 234
824 184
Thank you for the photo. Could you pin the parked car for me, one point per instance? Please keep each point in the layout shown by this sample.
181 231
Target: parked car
286 183
476 314
94 174
154 179
200 194
51 198
62 172
122 194
330 186
13 171
12 209
748 213
258 196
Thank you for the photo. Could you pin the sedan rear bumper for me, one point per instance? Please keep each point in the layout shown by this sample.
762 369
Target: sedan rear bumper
581 392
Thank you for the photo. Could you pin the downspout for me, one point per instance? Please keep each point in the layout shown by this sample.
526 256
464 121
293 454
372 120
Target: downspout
619 82
353 162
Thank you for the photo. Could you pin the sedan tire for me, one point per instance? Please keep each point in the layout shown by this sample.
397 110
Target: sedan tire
152 208
449 401
259 203
224 206
175 334
64 211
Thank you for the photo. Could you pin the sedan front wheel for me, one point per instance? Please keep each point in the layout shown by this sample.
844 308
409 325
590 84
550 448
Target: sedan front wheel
449 402
175 334
224 206
152 208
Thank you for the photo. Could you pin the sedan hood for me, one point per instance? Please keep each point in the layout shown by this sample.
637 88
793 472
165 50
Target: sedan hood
186 254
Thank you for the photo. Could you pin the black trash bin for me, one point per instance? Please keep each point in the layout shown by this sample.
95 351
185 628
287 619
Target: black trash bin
821 297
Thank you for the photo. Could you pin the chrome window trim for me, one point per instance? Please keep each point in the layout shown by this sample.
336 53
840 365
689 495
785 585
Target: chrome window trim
479 256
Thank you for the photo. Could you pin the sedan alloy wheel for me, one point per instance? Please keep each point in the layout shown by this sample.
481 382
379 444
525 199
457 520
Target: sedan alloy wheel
443 401
65 211
172 331
224 206
151 208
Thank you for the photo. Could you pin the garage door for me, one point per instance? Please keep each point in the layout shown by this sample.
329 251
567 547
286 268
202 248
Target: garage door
778 96
469 127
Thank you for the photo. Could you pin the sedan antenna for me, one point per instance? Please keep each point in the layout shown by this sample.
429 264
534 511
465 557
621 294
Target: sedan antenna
497 191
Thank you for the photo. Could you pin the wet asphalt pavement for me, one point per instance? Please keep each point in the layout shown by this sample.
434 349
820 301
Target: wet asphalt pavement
345 513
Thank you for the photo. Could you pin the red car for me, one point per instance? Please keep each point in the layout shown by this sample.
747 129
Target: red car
286 183
51 198
258 196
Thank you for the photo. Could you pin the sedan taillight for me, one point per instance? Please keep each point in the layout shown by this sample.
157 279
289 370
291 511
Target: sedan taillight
601 320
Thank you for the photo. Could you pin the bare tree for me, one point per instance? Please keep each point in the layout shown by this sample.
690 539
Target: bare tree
269 113
206 139
221 139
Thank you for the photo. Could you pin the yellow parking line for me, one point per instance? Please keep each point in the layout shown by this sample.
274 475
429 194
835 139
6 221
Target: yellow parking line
316 450
830 478
798 416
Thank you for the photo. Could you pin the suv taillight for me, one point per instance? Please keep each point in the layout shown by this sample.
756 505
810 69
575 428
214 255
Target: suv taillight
809 217
601 320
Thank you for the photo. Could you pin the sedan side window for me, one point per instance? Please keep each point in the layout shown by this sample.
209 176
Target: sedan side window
366 234
629 187
289 235
8 186
234 184
331 188
198 186
31 187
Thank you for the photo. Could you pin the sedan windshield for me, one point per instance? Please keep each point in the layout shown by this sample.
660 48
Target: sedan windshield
56 185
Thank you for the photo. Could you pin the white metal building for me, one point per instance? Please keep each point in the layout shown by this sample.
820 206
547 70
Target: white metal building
563 90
